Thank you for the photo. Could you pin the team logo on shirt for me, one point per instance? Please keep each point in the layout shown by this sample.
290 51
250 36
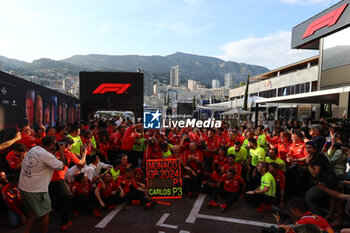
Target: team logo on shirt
151 119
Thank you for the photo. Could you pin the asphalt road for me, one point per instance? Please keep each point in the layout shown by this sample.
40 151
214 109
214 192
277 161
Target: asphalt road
183 215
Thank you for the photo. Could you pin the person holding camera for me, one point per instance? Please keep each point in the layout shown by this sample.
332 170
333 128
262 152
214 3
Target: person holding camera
36 173
300 210
59 190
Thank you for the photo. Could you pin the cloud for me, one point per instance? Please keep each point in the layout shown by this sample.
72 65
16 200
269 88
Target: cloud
308 2
272 51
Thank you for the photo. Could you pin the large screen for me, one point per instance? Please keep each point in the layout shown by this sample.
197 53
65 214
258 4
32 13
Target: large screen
26 102
111 91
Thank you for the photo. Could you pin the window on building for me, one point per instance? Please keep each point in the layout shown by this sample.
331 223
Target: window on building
297 89
314 86
307 87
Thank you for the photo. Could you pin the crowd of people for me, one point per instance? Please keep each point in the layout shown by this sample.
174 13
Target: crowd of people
85 168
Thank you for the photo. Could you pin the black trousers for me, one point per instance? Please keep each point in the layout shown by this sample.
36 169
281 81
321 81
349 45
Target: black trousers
83 203
230 197
257 199
135 194
297 181
60 194
191 184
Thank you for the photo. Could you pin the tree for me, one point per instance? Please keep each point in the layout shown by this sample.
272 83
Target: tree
168 100
164 100
194 104
242 83
245 105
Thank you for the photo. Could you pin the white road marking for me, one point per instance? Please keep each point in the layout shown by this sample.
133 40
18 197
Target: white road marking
183 231
161 221
161 232
109 217
194 214
195 210
234 220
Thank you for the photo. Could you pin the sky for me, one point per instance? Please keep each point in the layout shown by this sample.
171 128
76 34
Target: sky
250 31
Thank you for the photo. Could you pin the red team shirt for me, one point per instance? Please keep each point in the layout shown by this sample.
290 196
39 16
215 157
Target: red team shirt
70 158
236 166
231 185
12 160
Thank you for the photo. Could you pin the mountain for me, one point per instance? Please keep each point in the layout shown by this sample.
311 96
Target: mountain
199 68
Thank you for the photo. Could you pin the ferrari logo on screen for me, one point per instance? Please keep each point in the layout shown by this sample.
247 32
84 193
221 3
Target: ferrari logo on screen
118 88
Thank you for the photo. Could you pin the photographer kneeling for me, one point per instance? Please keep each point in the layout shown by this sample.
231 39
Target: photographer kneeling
299 209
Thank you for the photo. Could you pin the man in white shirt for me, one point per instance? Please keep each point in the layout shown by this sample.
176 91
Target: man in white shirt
96 165
36 173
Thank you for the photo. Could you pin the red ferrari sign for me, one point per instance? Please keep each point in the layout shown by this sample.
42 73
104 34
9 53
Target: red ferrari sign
327 20
118 88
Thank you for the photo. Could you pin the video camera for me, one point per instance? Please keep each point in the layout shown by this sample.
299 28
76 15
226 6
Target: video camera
58 144
284 216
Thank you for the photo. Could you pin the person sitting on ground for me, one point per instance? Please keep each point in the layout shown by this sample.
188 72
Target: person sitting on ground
229 188
82 196
131 192
106 192
300 210
264 195
280 179
96 167
210 179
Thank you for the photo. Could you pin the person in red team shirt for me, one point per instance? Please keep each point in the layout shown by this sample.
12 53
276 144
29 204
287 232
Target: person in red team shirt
280 179
297 174
276 139
194 161
82 196
15 157
104 146
133 193
229 188
124 165
129 138
231 164
221 158
230 141
27 139
59 188
210 179
174 136
15 208
284 146
300 210
297 153
212 147
60 132
106 192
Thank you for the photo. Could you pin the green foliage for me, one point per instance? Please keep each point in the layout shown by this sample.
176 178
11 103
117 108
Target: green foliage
245 105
